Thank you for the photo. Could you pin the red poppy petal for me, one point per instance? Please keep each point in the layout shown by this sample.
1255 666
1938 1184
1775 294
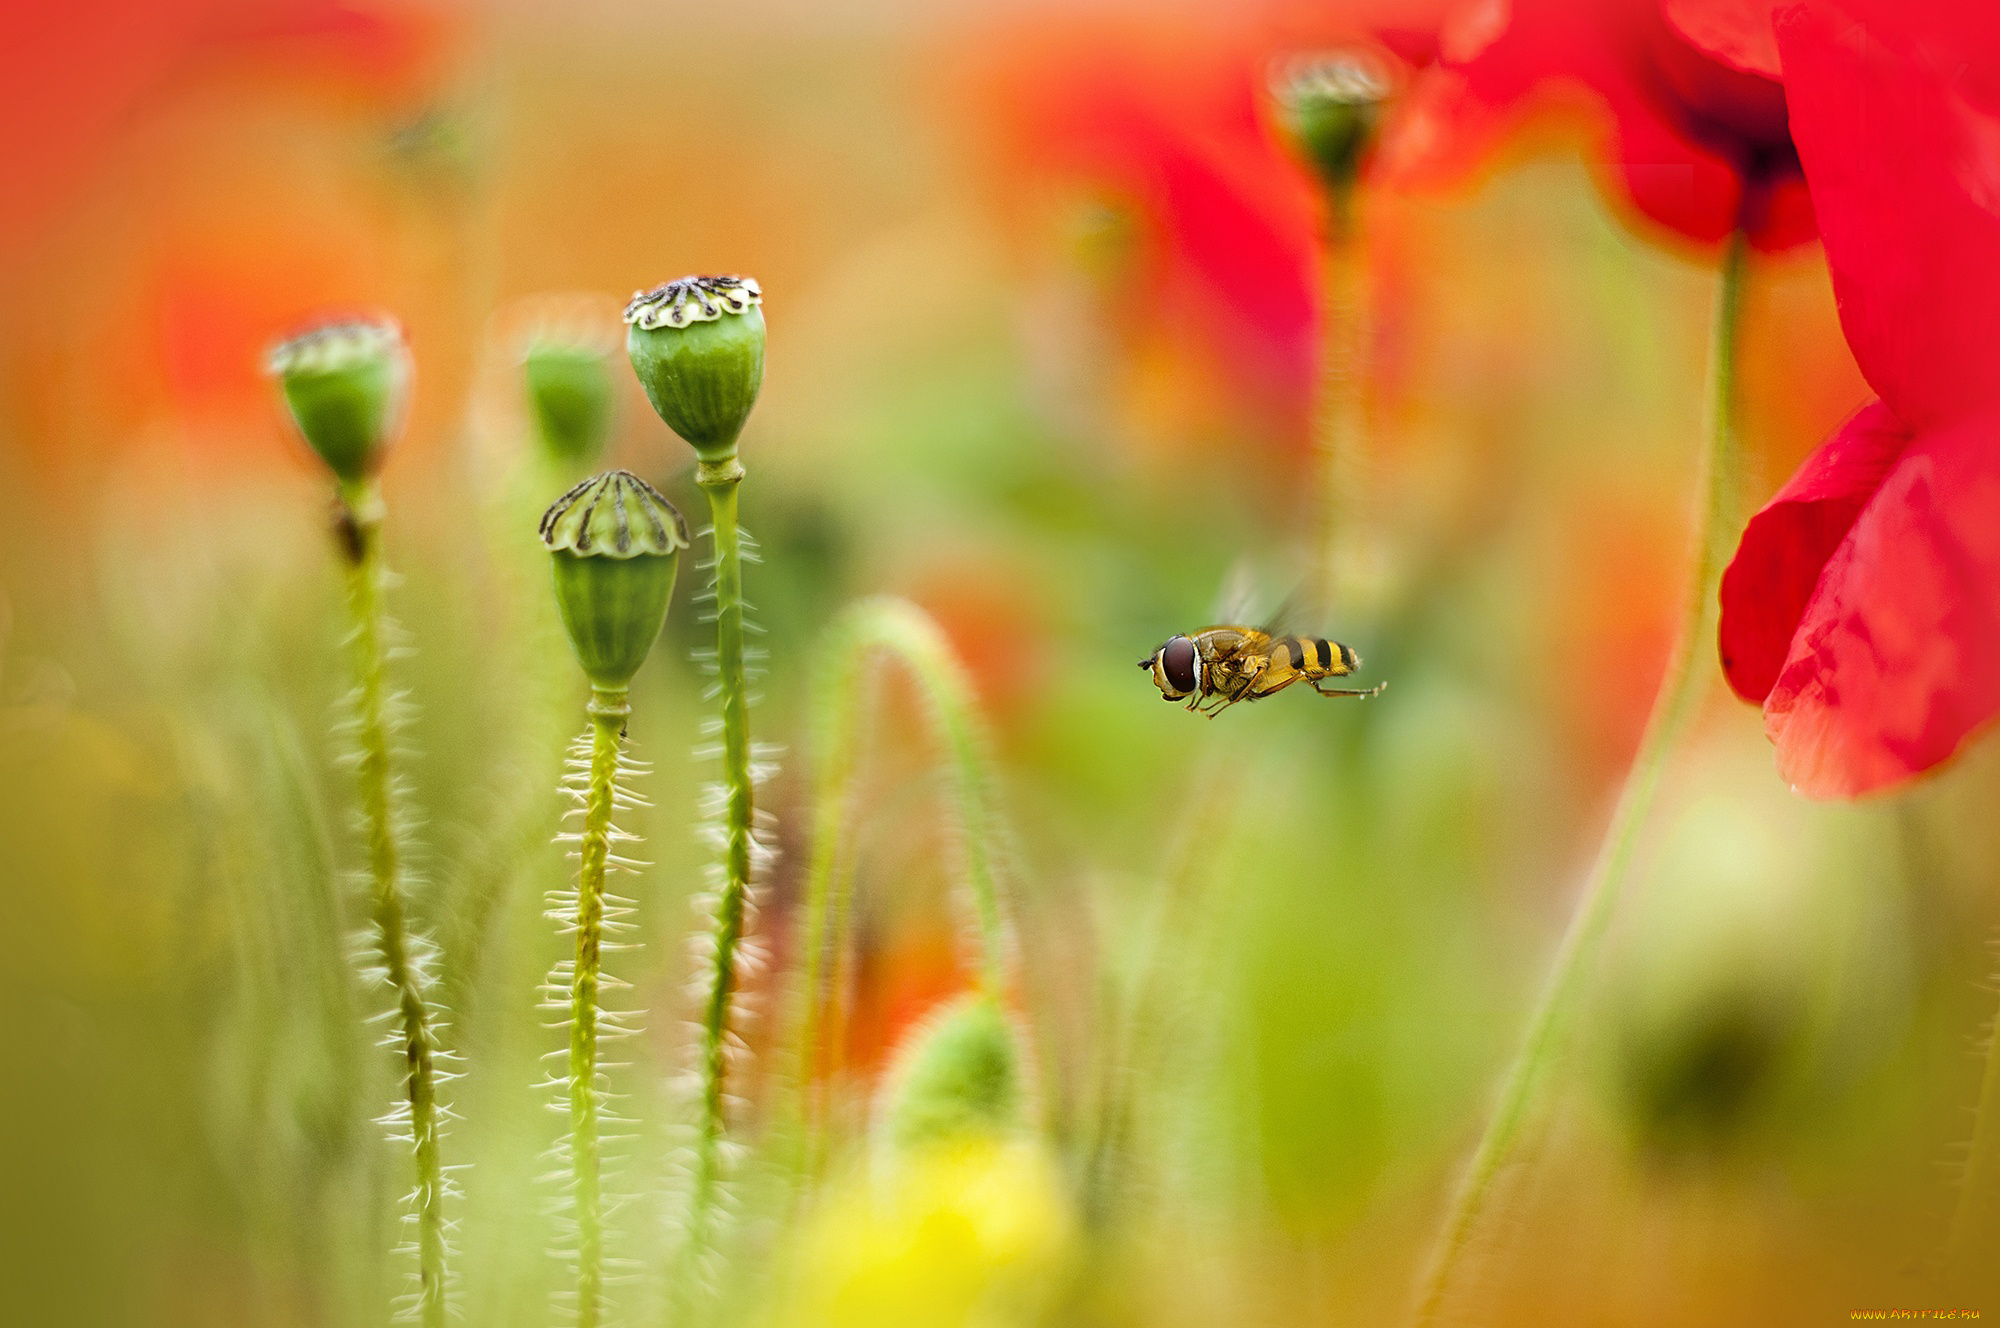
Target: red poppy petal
1908 200
1897 657
1736 32
1778 215
1667 177
1785 548
1441 132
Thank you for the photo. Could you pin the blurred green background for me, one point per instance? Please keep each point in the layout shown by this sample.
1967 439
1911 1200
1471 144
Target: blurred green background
1270 966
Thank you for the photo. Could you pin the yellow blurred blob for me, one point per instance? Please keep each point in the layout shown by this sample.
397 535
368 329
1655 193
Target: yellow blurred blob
976 1235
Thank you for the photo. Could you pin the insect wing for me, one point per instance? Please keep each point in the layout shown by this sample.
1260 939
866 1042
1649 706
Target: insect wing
1245 597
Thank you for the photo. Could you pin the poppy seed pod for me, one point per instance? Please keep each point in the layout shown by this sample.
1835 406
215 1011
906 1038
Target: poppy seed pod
697 345
569 394
1331 105
958 1077
345 384
616 545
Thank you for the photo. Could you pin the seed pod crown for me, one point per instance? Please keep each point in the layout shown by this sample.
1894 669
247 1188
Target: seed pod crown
614 515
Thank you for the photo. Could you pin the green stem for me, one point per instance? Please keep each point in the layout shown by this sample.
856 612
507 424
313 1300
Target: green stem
1344 565
899 628
361 529
1968 1217
1675 703
608 711
719 480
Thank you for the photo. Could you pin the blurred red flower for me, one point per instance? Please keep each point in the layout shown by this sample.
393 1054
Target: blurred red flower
1218 224
1698 139
1202 214
1863 605
72 74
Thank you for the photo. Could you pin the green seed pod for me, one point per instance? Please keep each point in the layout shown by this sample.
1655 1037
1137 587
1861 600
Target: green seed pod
1331 105
570 397
616 544
697 345
958 1077
346 384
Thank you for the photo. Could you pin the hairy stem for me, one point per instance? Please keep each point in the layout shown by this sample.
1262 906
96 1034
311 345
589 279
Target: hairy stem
719 481
608 711
895 627
1680 691
360 516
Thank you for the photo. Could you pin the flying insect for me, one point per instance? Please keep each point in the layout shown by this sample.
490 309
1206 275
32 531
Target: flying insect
1216 667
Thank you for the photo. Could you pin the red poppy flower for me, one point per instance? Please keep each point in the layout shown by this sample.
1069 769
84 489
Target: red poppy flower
1863 606
1218 223
72 74
1698 139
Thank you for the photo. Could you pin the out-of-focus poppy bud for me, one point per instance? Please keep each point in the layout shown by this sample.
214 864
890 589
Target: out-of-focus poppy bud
569 393
697 345
1331 104
565 347
616 545
1711 999
958 1077
346 384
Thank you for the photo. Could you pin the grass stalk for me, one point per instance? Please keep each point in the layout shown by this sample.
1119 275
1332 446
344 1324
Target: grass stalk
1681 688
361 529
897 628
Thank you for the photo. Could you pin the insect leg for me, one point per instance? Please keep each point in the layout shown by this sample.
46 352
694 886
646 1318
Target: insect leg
1376 690
1277 687
1245 688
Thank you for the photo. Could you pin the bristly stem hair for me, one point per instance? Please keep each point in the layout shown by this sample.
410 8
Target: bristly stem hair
587 916
898 628
1674 705
741 851
401 954
615 545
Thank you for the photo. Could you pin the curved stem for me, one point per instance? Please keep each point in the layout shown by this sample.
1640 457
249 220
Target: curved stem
719 482
608 711
361 531
1674 704
899 628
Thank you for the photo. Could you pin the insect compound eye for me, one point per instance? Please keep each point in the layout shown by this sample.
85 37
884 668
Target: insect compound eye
1177 660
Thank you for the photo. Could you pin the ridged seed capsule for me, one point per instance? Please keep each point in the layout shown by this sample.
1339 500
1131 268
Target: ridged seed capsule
616 544
697 345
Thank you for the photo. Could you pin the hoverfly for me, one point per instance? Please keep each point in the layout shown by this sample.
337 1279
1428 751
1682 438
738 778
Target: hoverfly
1216 667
